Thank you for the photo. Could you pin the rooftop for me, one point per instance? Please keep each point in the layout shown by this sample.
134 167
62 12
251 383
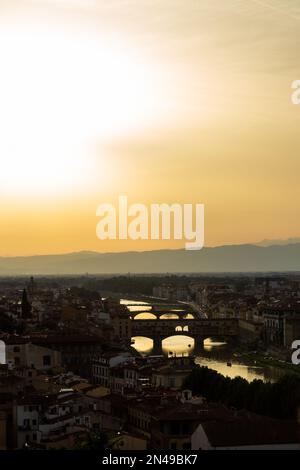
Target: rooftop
251 429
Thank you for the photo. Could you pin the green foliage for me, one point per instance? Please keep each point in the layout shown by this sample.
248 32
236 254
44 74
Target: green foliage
83 293
99 441
93 441
278 400
134 285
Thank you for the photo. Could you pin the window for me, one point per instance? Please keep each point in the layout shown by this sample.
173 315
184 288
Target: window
16 349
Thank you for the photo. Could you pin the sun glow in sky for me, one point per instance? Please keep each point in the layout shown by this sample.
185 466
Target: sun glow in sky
60 94
163 101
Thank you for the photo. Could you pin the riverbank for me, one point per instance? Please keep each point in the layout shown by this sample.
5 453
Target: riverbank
264 359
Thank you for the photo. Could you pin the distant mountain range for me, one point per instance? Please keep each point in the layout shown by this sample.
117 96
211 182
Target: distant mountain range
288 241
228 258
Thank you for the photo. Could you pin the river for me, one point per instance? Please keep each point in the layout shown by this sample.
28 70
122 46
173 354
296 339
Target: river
216 355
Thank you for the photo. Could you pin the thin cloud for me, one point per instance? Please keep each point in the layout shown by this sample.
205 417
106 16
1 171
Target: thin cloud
72 3
276 8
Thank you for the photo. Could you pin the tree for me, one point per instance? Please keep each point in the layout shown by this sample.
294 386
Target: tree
277 400
96 441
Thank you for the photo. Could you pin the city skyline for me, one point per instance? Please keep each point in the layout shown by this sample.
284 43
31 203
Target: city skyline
165 102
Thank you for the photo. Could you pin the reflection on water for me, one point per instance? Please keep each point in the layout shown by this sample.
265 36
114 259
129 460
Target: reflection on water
145 316
175 345
210 345
169 316
215 356
178 346
135 302
235 370
138 307
143 345
142 308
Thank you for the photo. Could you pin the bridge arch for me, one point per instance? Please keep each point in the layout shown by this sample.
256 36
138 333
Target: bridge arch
182 328
169 316
142 343
178 345
199 329
145 316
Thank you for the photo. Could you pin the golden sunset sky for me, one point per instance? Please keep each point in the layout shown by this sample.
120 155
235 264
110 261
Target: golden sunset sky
160 100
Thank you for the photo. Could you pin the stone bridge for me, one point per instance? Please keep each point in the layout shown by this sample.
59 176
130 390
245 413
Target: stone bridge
198 329
158 305
158 313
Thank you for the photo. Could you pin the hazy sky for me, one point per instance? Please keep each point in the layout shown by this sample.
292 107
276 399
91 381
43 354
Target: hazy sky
163 101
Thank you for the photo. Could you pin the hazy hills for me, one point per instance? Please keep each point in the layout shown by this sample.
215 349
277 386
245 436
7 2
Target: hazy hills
288 241
230 258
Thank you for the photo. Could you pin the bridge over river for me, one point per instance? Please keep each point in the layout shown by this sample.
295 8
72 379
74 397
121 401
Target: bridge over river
197 329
